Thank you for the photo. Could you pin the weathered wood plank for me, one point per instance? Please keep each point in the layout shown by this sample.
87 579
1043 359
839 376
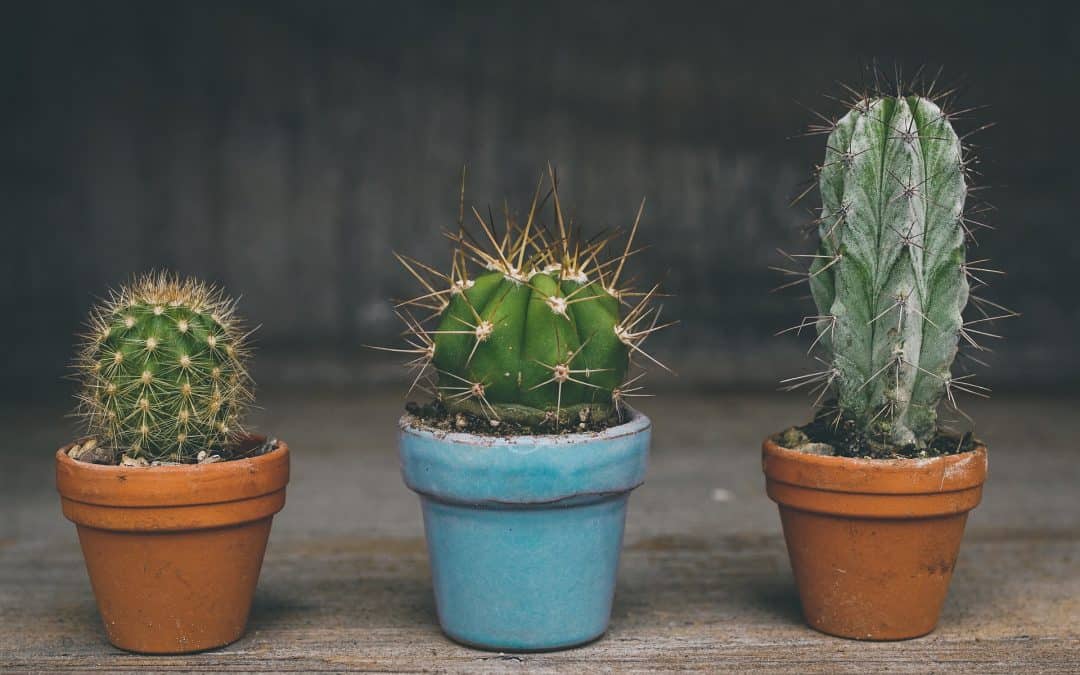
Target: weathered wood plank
727 603
704 584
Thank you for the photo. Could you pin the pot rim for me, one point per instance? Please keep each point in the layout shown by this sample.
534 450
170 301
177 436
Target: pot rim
929 475
182 485
524 471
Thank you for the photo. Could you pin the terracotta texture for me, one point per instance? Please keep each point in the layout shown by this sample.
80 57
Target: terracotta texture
873 543
174 552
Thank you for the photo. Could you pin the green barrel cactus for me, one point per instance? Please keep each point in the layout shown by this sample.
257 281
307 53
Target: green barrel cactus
162 371
542 334
889 278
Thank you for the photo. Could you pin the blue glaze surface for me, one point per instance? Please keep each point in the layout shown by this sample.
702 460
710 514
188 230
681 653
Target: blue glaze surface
524 533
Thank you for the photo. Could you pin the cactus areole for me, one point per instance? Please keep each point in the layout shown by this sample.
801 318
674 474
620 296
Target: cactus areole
162 371
889 278
531 325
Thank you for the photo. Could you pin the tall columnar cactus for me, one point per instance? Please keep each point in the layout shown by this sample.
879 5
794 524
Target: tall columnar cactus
543 334
162 370
890 279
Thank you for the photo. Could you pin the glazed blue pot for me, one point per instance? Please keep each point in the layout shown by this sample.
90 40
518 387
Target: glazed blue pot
524 533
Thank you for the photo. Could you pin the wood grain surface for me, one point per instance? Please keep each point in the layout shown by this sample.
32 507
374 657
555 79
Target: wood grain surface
704 583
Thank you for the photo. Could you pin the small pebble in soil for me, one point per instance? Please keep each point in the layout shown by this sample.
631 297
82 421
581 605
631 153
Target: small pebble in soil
269 445
77 451
90 451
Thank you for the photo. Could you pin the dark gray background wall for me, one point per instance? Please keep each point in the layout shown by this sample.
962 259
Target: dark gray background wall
283 150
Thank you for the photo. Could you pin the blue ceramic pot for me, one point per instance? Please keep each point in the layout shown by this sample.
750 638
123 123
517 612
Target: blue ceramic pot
524 533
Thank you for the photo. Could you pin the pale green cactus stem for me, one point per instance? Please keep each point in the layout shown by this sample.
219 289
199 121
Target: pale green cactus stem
541 334
162 369
889 278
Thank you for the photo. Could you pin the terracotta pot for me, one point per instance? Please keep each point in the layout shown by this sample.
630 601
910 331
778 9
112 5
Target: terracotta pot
873 542
174 552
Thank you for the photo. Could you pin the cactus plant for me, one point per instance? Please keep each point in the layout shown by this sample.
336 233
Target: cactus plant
543 334
162 370
890 278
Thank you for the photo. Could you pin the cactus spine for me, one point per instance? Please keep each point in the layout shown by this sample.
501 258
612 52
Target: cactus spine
542 334
889 278
162 370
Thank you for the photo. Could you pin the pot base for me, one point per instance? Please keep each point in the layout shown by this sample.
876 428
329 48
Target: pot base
871 579
175 592
524 580
531 650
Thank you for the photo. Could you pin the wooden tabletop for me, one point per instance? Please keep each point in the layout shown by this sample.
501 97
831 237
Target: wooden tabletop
704 582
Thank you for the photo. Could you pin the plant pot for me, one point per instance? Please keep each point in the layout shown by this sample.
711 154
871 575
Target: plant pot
524 533
873 542
174 552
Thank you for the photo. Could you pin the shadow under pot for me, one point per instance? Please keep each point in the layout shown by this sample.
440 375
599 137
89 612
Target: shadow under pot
524 533
174 552
873 542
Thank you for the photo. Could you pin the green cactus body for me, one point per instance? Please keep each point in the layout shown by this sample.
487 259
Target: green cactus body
543 335
534 346
890 282
163 372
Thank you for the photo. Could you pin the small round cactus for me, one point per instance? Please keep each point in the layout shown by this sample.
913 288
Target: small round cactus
542 335
162 370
